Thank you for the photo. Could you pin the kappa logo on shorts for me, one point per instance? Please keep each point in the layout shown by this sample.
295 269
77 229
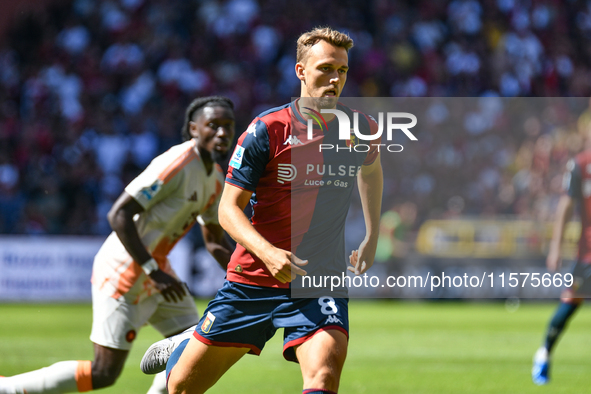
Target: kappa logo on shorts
206 326
333 319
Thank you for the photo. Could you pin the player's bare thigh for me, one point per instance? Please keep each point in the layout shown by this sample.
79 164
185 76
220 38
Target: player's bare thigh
200 366
322 358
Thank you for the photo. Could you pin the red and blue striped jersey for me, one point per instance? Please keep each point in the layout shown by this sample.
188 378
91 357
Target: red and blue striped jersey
301 187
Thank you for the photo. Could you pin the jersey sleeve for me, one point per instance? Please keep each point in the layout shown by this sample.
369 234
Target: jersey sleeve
572 180
250 157
155 183
373 152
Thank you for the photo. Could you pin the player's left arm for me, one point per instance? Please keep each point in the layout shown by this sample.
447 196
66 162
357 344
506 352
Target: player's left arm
217 243
120 218
371 183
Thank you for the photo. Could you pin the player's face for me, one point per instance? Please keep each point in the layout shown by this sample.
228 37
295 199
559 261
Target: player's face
324 73
214 130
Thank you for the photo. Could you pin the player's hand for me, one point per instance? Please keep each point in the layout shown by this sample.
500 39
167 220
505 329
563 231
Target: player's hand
553 261
284 266
169 286
361 260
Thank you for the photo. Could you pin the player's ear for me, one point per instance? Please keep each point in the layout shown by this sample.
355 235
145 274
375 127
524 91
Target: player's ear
193 130
299 70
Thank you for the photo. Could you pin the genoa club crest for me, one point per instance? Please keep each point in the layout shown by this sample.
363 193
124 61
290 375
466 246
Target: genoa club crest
206 326
352 141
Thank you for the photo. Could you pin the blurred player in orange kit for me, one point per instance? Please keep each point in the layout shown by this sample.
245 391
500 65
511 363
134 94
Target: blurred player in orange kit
577 185
133 282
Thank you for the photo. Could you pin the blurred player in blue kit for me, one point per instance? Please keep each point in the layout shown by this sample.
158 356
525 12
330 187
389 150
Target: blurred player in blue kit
300 197
577 184
132 281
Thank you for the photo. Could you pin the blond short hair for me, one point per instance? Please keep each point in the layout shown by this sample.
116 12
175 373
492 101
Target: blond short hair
310 38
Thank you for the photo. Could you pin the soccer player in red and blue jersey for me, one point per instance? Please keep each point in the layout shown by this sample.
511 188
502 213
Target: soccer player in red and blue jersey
300 196
577 184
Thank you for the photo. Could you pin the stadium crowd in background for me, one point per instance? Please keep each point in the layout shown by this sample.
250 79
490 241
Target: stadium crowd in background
91 90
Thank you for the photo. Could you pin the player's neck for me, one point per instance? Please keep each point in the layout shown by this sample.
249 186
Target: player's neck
309 102
205 158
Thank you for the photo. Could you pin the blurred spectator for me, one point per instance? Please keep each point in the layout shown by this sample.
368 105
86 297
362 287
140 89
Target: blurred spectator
90 90
396 225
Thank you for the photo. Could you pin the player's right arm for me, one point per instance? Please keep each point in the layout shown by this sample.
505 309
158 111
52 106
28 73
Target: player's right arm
564 211
247 164
237 225
121 220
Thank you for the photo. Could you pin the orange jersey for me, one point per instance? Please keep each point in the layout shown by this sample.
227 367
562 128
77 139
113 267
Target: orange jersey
175 192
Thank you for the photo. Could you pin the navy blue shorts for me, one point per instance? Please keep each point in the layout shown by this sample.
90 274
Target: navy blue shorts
247 316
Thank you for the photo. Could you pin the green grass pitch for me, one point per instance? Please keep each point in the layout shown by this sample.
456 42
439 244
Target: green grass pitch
395 347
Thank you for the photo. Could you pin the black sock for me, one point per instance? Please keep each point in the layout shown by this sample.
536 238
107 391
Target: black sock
559 320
